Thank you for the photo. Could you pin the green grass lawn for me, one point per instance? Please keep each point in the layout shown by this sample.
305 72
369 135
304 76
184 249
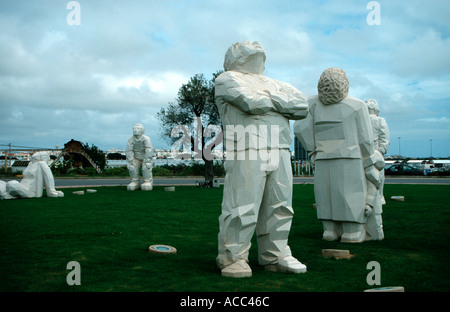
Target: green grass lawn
109 233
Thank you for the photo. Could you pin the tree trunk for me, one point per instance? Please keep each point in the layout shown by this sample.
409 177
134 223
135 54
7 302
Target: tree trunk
209 172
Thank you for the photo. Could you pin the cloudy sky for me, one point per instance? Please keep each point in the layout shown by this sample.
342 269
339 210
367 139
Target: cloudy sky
92 82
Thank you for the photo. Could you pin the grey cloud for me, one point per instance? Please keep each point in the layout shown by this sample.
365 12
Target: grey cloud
128 59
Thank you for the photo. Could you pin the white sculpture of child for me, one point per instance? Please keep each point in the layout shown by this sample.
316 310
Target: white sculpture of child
374 226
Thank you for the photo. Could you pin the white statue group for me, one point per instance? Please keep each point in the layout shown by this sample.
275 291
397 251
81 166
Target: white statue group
38 176
344 137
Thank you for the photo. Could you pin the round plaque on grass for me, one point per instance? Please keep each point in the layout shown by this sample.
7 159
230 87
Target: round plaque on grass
162 249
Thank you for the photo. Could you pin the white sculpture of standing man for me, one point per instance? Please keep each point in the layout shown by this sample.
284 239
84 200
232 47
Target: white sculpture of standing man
339 139
381 136
139 154
258 183
36 177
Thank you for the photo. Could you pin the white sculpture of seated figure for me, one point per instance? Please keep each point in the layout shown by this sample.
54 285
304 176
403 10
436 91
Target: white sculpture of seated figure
339 139
140 153
35 177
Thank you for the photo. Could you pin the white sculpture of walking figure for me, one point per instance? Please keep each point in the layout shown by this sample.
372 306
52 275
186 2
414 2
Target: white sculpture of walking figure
381 136
258 183
139 152
36 177
339 139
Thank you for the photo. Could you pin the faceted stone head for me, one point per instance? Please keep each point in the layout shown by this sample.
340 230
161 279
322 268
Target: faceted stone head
245 57
40 156
138 130
372 105
332 86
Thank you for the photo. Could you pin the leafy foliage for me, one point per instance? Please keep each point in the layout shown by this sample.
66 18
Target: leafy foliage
195 99
195 105
96 154
71 162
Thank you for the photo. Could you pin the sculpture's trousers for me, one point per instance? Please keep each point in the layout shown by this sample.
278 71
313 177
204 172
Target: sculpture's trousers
135 165
256 198
37 176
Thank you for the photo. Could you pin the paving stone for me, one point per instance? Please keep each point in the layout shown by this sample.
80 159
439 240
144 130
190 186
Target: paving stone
398 198
337 253
386 289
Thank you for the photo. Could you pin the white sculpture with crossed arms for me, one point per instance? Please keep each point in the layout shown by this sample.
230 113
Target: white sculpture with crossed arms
255 112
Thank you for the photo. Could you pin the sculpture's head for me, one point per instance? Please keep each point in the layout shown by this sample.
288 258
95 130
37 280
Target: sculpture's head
245 57
372 105
40 156
138 130
332 86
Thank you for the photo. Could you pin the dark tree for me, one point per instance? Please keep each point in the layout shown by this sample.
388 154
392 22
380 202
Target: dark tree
195 109
116 156
96 154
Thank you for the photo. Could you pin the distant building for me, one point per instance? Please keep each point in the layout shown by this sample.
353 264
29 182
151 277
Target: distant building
114 151
19 165
299 151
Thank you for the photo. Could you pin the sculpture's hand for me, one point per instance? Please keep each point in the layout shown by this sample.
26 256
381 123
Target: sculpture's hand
299 109
379 163
130 157
373 175
367 210
312 159
131 163
288 105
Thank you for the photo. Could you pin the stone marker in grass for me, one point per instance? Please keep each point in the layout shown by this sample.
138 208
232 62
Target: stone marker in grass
337 253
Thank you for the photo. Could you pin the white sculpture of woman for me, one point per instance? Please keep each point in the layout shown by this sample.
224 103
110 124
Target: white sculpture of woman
338 136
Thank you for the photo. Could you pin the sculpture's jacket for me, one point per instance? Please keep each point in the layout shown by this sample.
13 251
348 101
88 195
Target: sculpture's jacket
242 99
381 133
336 131
339 137
141 149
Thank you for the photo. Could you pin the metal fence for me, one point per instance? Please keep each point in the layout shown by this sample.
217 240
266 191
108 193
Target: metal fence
302 167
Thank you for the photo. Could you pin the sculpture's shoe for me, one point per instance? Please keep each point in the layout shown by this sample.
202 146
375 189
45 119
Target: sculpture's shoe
287 264
55 193
353 232
133 186
147 186
330 235
354 237
239 268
